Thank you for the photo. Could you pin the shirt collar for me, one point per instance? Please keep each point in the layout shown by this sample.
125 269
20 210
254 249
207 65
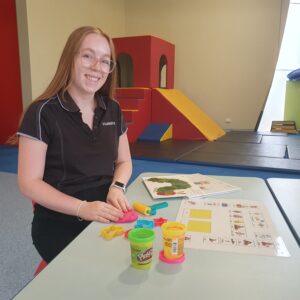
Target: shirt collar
100 101
67 102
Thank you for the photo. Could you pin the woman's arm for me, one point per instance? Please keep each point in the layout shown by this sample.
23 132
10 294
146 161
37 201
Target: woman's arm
31 164
123 171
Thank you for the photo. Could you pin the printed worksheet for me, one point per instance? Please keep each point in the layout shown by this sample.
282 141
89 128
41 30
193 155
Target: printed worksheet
233 225
186 185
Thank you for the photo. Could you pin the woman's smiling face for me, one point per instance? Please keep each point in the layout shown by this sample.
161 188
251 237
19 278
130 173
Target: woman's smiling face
88 78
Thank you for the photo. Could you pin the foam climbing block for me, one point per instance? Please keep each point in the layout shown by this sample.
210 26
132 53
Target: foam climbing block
189 121
168 135
145 53
155 132
136 107
292 103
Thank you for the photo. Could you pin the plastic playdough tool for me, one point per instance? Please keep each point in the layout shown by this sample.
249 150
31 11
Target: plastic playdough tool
154 207
141 208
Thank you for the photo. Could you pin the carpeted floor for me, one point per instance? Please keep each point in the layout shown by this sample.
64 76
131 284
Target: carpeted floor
18 258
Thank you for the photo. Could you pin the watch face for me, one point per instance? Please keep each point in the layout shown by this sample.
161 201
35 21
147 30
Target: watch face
120 184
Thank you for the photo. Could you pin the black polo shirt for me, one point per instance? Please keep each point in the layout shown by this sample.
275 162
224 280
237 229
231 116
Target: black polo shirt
77 158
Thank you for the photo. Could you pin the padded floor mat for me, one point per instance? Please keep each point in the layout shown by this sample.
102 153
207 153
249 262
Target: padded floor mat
250 149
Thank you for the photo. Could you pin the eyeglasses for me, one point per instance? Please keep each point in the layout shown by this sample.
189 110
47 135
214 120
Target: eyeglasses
88 60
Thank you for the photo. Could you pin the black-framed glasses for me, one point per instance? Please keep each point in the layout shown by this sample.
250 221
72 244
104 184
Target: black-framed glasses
88 60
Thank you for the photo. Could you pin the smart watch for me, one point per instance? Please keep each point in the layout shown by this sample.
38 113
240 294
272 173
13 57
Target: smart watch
119 185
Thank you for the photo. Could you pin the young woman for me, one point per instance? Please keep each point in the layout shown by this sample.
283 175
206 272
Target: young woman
74 158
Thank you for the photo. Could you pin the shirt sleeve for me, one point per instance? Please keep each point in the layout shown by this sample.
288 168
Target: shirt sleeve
34 124
122 123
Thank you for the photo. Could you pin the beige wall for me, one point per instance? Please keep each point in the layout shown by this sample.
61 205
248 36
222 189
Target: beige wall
51 21
226 50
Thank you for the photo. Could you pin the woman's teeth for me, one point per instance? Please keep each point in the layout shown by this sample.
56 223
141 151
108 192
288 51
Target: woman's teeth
92 78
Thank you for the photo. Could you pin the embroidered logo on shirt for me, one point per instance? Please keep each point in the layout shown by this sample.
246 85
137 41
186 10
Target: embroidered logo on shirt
111 123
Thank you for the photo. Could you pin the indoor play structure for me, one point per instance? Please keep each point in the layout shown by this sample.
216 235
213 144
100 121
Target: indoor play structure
152 108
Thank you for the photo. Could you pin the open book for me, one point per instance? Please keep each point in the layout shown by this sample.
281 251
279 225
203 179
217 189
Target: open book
186 185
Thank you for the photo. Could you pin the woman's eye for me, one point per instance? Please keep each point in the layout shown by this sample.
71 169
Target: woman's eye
86 55
106 61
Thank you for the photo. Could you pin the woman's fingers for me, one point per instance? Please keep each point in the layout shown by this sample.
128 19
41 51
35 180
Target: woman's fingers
100 211
124 204
102 220
109 212
117 198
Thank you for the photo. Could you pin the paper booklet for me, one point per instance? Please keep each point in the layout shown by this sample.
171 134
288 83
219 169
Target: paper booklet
186 185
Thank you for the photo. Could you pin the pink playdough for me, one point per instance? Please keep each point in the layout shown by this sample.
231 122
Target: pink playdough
129 216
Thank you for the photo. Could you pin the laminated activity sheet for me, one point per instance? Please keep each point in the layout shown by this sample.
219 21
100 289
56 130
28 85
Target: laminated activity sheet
232 225
186 185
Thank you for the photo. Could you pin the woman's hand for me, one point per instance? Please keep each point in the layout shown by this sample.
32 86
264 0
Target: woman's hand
117 198
99 211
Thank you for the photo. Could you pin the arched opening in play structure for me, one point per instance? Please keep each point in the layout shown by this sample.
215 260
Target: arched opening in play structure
163 72
125 70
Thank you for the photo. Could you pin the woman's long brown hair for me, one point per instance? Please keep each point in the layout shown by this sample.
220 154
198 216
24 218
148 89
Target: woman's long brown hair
62 77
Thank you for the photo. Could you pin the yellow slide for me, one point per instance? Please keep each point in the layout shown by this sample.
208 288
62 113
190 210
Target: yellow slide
208 127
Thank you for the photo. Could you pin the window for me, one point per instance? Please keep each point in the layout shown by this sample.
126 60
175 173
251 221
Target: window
125 70
288 60
163 72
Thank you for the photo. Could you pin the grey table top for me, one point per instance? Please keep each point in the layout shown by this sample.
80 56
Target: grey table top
287 194
92 268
